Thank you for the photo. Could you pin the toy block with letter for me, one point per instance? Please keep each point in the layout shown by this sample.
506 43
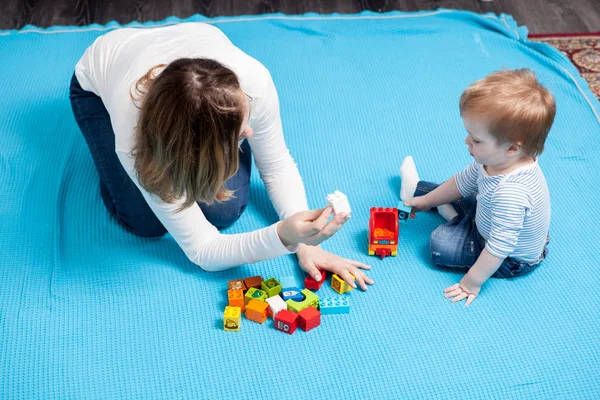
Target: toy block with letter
232 319
254 293
286 321
237 284
292 294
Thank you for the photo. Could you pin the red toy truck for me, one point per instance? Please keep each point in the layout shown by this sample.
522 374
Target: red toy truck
383 231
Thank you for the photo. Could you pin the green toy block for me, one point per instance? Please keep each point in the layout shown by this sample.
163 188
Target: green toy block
310 299
254 293
271 286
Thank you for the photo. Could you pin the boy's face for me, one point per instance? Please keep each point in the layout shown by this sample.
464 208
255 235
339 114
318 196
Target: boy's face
482 145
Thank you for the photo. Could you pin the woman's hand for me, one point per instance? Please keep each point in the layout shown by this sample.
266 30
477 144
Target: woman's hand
310 227
313 259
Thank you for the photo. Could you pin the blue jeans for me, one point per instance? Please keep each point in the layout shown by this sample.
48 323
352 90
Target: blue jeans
120 195
458 244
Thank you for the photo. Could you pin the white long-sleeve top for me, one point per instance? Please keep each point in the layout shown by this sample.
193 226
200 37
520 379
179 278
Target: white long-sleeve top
112 65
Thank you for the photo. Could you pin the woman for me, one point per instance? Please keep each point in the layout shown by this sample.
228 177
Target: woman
172 116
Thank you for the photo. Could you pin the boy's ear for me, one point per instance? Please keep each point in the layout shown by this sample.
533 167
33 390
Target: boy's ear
514 148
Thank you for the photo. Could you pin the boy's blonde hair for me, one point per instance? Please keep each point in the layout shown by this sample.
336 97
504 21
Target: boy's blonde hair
515 106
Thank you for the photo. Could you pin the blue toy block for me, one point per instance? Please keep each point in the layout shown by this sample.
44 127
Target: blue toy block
334 305
288 282
403 211
293 293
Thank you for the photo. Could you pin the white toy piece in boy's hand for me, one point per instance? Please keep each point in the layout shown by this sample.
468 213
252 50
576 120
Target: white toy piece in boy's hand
339 202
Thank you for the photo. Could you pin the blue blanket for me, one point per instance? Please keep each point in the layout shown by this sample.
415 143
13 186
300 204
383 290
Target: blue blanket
90 311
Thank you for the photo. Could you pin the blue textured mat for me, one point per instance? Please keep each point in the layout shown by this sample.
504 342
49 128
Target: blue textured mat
90 311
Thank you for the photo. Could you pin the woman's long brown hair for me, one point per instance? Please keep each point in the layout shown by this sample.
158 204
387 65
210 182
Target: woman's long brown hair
186 138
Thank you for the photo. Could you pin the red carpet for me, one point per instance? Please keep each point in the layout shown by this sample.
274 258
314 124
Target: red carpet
584 51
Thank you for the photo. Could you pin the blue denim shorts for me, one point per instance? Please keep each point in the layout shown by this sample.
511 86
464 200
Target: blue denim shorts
457 245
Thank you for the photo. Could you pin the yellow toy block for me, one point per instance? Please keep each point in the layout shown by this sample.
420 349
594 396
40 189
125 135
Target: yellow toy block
310 299
340 285
232 319
257 311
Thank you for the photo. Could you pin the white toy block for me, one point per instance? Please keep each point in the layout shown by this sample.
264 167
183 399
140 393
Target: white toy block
339 202
276 304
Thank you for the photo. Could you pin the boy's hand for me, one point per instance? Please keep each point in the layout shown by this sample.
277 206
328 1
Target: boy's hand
418 204
313 258
461 291
470 285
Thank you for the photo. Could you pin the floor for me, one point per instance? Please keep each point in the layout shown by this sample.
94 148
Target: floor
540 16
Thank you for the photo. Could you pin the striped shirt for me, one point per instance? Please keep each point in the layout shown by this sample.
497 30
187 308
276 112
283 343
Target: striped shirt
513 210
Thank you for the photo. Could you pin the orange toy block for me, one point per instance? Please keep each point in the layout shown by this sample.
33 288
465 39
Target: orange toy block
256 310
236 298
